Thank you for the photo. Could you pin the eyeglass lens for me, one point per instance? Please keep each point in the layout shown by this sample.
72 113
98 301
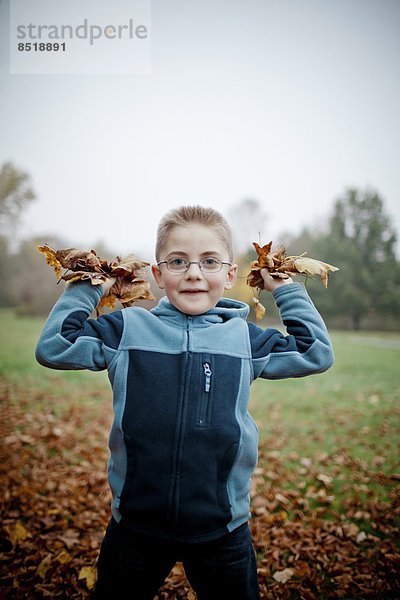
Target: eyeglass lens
209 265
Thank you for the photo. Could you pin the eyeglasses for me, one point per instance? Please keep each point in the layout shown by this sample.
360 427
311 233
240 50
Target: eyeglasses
181 265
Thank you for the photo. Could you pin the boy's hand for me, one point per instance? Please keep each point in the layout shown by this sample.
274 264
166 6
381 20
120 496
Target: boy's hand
272 283
107 285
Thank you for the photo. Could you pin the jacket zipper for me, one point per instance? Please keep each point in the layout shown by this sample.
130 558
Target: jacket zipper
204 401
179 436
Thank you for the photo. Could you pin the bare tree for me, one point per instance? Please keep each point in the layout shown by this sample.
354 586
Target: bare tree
15 194
247 220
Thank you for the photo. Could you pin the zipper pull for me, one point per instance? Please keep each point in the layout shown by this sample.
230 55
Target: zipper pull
207 373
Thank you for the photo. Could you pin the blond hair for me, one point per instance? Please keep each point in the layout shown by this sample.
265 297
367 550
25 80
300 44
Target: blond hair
184 215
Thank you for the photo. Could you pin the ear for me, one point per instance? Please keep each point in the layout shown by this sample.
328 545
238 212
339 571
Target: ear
155 269
231 277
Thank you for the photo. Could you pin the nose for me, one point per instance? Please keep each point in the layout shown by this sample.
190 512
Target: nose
194 271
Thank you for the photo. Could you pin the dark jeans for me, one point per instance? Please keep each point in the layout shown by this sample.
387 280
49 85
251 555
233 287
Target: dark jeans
134 566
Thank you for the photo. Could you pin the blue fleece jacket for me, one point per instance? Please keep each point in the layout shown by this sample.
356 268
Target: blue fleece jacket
183 444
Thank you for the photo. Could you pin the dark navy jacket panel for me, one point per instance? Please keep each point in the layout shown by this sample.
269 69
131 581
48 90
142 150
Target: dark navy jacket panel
148 425
172 487
211 438
263 342
107 328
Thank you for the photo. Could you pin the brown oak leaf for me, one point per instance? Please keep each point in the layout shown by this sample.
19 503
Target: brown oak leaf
51 258
259 309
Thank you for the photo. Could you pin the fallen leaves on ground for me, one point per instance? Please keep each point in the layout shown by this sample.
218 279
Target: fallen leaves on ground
81 265
55 507
279 265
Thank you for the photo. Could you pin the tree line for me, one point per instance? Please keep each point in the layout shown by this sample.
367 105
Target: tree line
358 237
361 241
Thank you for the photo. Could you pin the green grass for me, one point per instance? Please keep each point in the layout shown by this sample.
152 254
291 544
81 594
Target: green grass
343 424
18 338
359 393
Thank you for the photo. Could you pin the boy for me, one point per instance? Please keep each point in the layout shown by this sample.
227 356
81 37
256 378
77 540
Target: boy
183 446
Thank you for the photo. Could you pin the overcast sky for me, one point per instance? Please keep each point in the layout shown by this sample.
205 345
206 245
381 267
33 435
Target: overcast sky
288 102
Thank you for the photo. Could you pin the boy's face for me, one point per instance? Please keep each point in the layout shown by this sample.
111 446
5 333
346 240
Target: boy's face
194 292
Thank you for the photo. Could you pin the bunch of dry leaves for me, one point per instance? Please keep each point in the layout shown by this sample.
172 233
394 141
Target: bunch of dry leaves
279 265
81 265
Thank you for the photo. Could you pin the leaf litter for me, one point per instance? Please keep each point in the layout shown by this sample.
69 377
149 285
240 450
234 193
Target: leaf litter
55 507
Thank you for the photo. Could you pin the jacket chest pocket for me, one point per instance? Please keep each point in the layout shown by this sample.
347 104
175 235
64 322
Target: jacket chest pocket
204 406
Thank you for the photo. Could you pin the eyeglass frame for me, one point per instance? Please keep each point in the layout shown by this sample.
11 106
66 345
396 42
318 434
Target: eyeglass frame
195 262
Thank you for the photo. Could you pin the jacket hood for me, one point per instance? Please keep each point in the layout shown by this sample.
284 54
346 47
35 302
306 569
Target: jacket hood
225 309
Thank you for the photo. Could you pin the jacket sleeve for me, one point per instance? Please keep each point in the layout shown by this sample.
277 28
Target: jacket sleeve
306 349
72 340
